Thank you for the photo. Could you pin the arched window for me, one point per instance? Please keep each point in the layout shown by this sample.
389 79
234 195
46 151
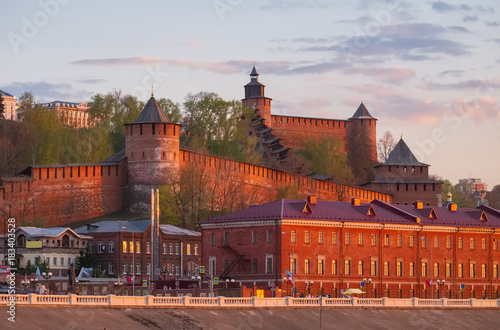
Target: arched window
21 240
65 241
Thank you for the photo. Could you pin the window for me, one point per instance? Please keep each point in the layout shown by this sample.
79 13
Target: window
293 236
472 243
188 249
373 268
125 268
212 240
321 237
448 242
360 267
138 268
436 242
111 268
436 269
226 264
293 265
448 269
55 261
177 249
69 261
387 241
424 241
226 238
483 271
269 264
148 268
412 269
334 267
347 267
131 247
307 266
111 246
334 238
460 242
460 270
424 269
165 248
62 261
254 237
90 247
196 249
212 263
131 268
171 248
254 266
321 265
361 239
495 271
347 239
483 243
399 268
307 237
269 236
100 247
399 240
472 270
386 268
412 241
374 239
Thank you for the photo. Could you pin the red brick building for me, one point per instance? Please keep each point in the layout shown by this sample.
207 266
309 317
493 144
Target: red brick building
406 179
395 250
124 247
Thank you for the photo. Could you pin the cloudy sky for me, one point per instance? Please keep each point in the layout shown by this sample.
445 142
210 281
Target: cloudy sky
426 69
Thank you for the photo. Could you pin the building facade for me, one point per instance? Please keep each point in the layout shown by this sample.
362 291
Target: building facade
124 247
10 103
478 189
58 247
386 250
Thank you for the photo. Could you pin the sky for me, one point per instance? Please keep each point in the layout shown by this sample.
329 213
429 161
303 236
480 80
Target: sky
427 70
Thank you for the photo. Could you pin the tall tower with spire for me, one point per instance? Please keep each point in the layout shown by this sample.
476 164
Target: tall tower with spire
255 99
362 127
152 149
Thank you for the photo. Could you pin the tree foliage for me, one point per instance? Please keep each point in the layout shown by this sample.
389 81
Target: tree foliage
493 197
2 107
385 146
86 259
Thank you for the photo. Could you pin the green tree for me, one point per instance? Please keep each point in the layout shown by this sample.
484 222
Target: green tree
464 196
87 259
172 109
493 197
2 107
31 268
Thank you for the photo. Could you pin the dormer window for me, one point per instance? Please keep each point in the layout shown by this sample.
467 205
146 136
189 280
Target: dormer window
21 241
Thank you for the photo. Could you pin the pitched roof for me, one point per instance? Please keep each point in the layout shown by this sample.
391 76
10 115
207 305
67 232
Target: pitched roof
47 232
254 72
362 113
152 113
173 230
402 155
138 226
5 93
113 159
375 212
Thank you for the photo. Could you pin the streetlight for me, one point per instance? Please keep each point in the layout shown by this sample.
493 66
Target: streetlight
439 290
285 279
293 254
47 276
25 285
432 266
365 283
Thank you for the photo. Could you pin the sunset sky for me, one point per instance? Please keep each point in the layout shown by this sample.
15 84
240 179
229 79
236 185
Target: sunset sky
428 70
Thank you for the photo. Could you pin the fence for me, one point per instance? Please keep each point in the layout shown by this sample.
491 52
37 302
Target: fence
253 302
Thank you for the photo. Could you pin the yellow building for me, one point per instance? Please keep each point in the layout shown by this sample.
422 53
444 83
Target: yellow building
10 102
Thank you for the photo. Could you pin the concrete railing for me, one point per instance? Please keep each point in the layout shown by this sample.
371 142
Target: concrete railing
253 302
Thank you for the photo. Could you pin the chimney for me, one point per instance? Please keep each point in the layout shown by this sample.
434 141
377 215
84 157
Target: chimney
418 205
452 207
355 201
311 199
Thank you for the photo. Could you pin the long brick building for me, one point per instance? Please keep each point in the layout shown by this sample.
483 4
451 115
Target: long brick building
394 250
61 194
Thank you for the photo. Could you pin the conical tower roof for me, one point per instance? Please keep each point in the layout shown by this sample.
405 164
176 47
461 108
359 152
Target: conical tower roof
152 113
402 155
362 113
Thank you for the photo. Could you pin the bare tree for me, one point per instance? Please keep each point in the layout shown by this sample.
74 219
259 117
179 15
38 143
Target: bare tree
385 146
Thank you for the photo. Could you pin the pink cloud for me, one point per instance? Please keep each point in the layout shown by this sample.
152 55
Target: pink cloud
388 75
138 60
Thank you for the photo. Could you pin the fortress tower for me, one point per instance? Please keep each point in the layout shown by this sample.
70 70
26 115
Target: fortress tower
152 150
361 129
255 99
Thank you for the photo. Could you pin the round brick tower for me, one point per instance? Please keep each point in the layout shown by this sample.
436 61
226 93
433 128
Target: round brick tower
152 149
364 126
255 99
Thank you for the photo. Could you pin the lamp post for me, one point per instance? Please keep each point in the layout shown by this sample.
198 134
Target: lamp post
365 283
285 280
440 283
25 285
47 276
432 266
293 255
